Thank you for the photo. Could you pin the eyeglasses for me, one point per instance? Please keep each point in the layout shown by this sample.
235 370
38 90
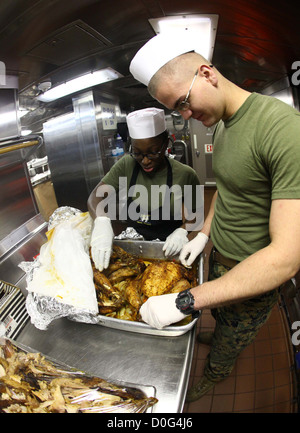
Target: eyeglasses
185 105
152 155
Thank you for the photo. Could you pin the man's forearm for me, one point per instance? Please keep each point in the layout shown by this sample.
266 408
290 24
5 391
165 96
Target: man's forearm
264 270
259 273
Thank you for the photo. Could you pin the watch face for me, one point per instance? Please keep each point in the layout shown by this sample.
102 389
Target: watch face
185 302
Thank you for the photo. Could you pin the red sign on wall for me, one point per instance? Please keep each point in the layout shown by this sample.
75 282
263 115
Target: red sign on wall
208 148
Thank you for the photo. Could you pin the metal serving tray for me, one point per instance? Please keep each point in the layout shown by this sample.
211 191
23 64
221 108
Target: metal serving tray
148 390
150 250
13 314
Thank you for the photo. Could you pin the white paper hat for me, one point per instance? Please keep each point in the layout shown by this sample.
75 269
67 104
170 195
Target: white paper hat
146 123
157 52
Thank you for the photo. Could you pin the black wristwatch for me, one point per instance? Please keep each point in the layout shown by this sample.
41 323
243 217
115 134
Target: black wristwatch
185 302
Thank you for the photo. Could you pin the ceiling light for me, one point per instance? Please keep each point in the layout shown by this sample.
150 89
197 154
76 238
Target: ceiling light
79 83
202 28
44 86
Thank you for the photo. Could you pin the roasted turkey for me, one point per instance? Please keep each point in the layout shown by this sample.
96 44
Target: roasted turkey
160 277
129 281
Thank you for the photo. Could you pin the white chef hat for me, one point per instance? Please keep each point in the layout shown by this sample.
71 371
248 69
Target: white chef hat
146 123
157 52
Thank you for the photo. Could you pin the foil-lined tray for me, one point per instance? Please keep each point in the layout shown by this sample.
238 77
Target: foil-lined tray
13 314
150 250
143 392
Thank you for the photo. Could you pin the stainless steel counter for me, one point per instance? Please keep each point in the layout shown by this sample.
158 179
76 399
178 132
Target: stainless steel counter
162 362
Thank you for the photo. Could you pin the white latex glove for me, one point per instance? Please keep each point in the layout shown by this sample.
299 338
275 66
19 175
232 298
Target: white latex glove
101 242
191 250
161 311
175 242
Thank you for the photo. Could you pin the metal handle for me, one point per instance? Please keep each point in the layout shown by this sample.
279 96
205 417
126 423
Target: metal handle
184 145
19 146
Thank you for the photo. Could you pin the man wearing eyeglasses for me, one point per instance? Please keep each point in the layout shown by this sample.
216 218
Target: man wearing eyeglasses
152 189
254 219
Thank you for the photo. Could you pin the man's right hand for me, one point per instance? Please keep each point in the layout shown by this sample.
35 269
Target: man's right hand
101 242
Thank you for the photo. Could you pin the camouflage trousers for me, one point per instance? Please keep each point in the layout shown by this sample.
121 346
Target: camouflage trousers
236 327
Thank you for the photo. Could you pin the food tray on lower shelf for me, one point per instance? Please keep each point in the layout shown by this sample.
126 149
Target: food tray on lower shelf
41 384
13 314
150 250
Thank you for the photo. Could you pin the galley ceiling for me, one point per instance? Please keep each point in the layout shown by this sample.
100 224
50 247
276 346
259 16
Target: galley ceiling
256 43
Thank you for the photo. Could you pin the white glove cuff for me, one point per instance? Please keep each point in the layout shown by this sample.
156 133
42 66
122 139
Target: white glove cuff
184 230
203 236
102 219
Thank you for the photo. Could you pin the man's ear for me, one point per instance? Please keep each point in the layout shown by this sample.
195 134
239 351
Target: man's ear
207 71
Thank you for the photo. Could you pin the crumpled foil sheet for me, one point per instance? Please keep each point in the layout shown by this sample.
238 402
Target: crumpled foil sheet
62 214
44 309
129 233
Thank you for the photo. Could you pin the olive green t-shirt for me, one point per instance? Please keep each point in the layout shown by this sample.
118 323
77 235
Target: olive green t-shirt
256 160
182 175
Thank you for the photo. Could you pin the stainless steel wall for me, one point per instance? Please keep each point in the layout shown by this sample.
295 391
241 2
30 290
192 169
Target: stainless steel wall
17 202
75 148
64 159
282 90
9 121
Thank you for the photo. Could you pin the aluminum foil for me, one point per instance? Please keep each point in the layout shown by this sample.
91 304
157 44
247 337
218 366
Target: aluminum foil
44 309
129 233
62 214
